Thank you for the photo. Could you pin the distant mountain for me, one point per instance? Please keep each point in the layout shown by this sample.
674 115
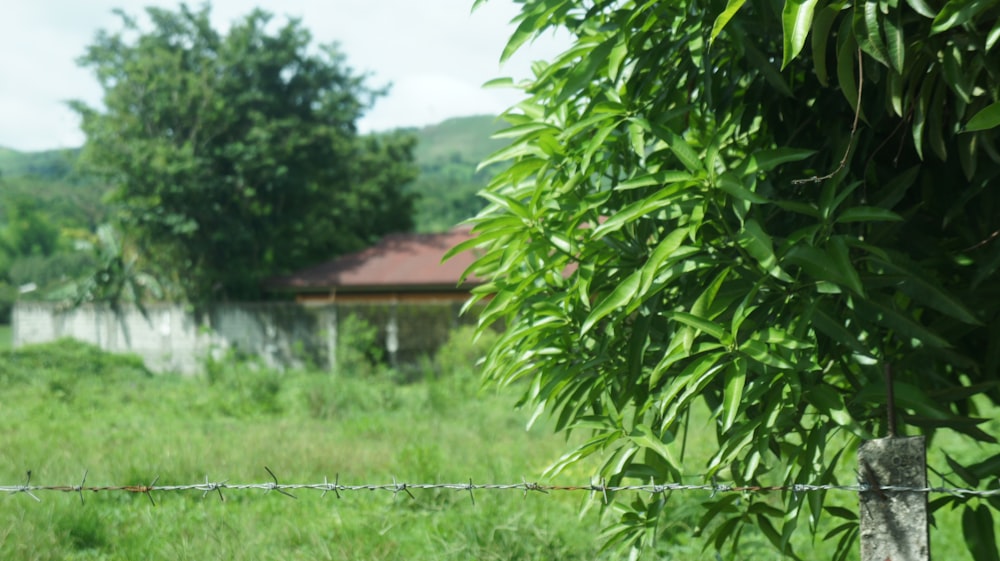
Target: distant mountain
448 154
47 164
468 137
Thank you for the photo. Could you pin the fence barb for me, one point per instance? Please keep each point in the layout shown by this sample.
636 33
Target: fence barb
525 486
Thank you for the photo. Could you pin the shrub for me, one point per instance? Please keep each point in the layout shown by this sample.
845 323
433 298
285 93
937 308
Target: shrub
359 353
67 360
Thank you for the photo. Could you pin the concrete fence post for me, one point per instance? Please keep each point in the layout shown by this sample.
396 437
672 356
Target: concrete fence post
330 313
894 524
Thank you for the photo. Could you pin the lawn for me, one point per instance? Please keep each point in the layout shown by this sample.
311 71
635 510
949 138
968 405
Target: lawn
6 335
70 409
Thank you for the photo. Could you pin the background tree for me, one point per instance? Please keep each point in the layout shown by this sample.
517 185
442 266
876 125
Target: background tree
235 157
752 209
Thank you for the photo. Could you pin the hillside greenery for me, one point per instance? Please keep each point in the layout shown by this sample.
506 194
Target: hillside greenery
448 155
46 164
49 212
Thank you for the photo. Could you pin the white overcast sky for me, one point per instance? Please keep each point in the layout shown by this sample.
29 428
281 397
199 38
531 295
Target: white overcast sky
436 53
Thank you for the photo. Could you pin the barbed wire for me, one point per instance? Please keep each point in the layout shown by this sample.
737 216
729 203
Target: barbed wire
602 489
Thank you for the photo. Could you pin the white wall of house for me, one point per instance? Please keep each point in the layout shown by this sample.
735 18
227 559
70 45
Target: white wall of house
171 338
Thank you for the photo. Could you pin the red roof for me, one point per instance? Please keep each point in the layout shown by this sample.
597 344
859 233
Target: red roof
398 261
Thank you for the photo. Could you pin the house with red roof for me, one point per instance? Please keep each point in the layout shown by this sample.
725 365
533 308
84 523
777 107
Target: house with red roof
400 268
402 286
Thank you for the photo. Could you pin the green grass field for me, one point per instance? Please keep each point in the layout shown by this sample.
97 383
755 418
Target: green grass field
6 333
69 408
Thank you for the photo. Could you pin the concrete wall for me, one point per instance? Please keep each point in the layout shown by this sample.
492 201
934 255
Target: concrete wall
170 338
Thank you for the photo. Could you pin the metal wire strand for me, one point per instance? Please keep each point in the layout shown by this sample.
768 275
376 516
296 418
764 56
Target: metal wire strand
396 487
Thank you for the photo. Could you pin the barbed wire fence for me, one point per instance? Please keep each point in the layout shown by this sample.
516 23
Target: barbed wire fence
600 489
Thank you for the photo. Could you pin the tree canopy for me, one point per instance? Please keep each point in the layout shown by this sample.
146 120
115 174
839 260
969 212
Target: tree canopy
235 156
757 209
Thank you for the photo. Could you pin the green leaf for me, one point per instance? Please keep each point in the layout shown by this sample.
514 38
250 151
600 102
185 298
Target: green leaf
808 209
868 32
665 250
645 437
658 178
922 8
530 24
731 185
634 288
702 306
902 324
522 130
895 43
959 12
695 376
919 286
868 214
909 396
767 69
936 121
952 62
841 512
796 20
684 152
980 533
616 57
643 207
967 154
703 325
822 22
835 330
758 244
967 476
618 298
720 22
895 91
833 265
736 377
760 352
516 150
637 136
503 82
766 160
514 207
988 467
986 118
828 401
846 59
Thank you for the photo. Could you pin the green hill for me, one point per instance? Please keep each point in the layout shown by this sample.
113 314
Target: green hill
466 137
47 164
448 154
